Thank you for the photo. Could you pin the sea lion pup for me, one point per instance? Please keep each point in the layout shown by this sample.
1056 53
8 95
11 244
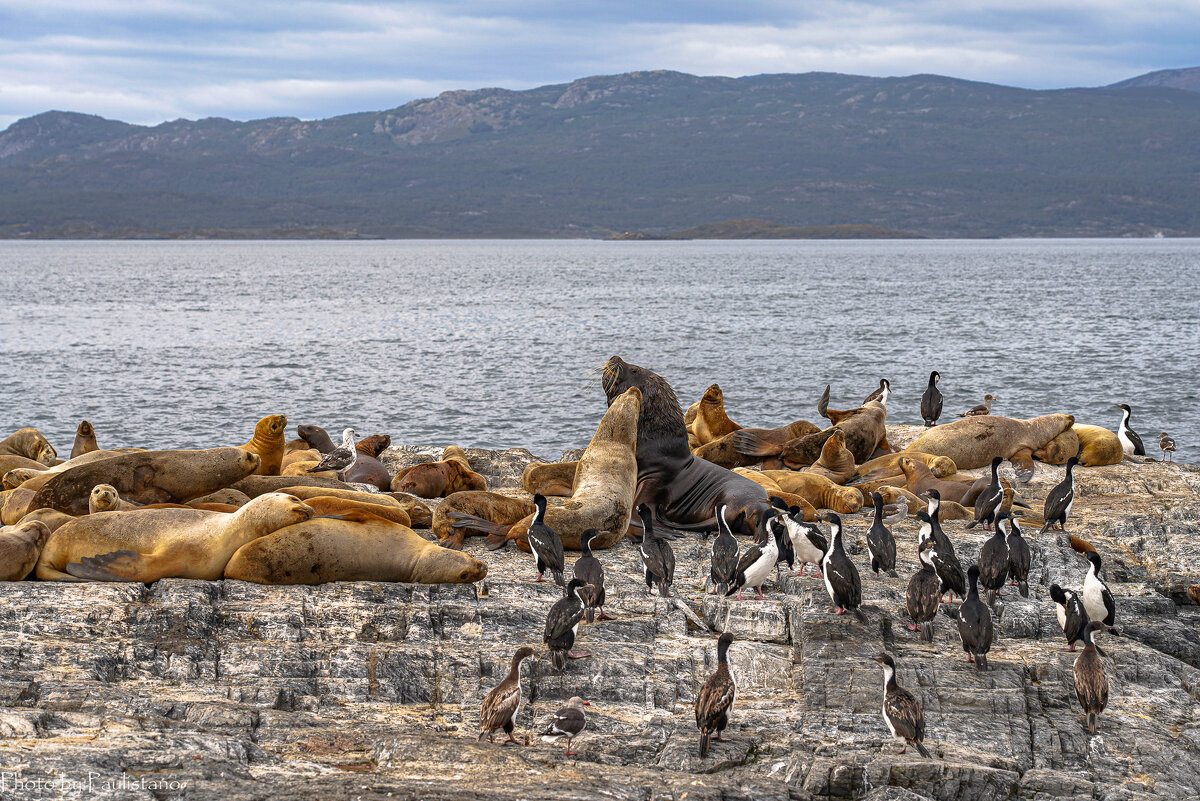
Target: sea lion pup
268 443
817 490
919 479
1097 445
20 547
682 490
162 543
835 463
105 498
711 421
316 437
1059 449
974 441
439 479
354 546
18 476
888 465
602 496
148 477
864 429
30 443
549 478
723 452
85 440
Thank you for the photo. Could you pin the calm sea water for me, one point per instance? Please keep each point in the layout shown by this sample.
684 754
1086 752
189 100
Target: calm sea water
494 343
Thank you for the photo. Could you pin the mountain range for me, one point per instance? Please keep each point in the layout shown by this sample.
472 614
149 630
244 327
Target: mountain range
646 152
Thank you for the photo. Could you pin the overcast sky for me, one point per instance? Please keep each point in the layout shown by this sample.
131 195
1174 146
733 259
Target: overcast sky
147 61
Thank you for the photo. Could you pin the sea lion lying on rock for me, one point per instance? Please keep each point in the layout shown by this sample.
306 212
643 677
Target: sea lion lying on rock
367 468
20 547
355 546
439 479
723 452
105 498
1059 449
974 441
150 544
818 490
864 429
18 476
1097 446
30 443
601 498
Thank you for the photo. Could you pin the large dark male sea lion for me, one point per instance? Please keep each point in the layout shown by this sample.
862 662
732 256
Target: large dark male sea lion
681 488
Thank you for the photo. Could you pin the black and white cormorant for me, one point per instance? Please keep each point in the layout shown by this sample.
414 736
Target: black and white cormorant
841 576
931 401
715 700
1097 599
1060 499
993 560
757 562
1072 617
901 710
808 543
987 503
924 593
545 544
562 624
880 542
945 562
587 568
1131 443
1091 682
975 623
724 554
658 558
881 393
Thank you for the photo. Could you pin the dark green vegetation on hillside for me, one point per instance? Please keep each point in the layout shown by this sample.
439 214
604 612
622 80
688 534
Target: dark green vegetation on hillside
651 152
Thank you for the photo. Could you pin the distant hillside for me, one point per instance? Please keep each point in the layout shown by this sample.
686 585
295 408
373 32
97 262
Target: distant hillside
1188 80
652 152
765 229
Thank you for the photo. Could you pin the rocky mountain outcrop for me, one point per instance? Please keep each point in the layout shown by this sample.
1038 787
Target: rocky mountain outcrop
229 690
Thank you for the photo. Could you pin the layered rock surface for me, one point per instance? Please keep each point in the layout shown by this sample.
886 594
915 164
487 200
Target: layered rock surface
228 690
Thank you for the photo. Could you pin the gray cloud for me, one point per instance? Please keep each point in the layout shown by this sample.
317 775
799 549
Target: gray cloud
150 61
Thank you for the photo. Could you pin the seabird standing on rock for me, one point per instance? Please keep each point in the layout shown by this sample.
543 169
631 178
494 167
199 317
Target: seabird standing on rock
1167 445
841 576
1131 443
757 562
931 401
545 544
1072 617
880 542
341 458
658 558
993 561
1091 682
569 722
933 500
715 700
562 624
901 710
1060 499
881 394
975 623
1019 557
945 562
808 543
980 409
989 500
924 593
588 569
724 555
783 541
1097 599
501 706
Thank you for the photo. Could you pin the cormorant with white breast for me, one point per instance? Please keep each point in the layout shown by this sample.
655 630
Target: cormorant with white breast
1097 599
1060 500
901 710
1131 443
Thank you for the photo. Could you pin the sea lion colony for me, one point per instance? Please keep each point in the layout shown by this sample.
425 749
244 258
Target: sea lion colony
268 511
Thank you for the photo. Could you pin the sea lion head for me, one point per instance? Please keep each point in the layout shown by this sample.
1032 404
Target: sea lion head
271 426
279 508
374 444
310 433
104 498
18 476
250 461
85 430
661 417
713 395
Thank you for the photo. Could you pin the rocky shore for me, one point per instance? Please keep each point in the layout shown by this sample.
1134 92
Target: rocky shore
228 690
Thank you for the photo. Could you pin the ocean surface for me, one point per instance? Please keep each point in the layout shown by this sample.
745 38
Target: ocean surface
496 343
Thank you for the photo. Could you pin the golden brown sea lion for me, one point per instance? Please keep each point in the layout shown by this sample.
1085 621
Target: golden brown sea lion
20 547
305 469
835 463
148 477
305 492
85 440
354 547
1059 449
602 496
310 455
818 490
268 443
253 486
18 476
227 496
1097 446
711 422
333 506
864 429
881 466
150 544
492 508
105 498
30 443
10 461
438 479
296 445
420 514
549 478
53 520
919 479
973 441
15 504
722 451
759 477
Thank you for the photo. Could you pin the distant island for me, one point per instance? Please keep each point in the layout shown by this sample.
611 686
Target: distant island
645 154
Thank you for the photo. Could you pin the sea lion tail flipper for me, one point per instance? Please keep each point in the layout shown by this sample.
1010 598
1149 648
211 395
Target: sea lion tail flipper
123 565
823 403
474 522
748 443
495 542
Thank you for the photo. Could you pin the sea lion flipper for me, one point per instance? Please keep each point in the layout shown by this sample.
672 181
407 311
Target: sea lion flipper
823 403
750 444
474 522
123 565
